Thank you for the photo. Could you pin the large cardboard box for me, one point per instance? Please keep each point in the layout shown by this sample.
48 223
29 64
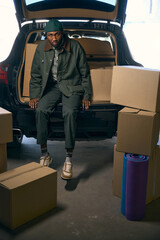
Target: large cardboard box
138 131
25 193
3 157
156 174
117 172
6 133
136 87
101 83
30 51
153 182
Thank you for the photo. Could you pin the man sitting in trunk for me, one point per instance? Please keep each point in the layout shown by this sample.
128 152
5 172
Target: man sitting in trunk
59 73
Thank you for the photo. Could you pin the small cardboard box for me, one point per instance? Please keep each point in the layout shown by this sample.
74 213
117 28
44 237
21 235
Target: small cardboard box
136 87
101 83
6 133
30 51
138 131
26 192
153 182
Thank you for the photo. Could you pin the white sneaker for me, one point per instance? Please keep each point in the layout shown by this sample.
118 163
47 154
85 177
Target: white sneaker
45 160
67 171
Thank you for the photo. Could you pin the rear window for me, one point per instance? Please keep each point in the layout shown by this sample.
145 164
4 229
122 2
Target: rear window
38 36
103 5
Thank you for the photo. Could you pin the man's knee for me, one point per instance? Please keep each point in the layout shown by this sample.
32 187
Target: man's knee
41 113
70 113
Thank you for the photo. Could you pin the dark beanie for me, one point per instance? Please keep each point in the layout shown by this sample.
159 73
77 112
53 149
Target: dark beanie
53 25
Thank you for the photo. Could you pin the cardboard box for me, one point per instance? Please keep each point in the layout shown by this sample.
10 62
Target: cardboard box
6 133
136 87
101 83
3 157
156 174
138 131
153 183
30 51
117 172
26 192
103 51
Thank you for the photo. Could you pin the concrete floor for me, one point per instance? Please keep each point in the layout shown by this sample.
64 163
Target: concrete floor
86 208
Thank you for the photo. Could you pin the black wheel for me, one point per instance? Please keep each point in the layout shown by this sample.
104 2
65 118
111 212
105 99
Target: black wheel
17 140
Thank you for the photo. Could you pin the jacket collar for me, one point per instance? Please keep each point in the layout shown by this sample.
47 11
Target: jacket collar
66 45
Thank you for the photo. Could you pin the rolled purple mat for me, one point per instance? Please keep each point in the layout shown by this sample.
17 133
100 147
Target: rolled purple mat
136 186
123 193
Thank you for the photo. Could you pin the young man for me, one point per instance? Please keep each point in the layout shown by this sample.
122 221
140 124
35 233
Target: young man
59 73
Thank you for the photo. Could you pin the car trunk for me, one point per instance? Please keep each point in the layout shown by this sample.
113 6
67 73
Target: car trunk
100 121
101 44
101 54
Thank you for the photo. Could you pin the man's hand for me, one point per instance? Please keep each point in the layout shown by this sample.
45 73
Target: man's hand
86 104
33 103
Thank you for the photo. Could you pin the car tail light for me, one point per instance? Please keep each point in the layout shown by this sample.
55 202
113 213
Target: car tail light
3 73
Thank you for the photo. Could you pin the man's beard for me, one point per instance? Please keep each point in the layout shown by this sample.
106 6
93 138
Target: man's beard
60 44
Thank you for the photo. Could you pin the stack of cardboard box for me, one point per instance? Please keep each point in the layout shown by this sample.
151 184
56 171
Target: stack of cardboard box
138 90
27 191
5 137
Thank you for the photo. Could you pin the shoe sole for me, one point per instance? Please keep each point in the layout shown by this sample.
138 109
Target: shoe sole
65 178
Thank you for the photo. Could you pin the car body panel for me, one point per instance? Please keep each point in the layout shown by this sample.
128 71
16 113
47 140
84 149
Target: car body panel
84 9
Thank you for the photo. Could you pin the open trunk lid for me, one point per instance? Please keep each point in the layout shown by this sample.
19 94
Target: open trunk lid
110 10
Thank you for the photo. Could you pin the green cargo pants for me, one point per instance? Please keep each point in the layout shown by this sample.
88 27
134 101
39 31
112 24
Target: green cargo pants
46 106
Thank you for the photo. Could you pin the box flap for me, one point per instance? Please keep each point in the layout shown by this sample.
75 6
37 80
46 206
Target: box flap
6 126
138 68
23 175
129 110
27 177
19 170
4 111
146 113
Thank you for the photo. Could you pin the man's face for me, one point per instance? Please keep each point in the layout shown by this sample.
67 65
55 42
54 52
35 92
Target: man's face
54 38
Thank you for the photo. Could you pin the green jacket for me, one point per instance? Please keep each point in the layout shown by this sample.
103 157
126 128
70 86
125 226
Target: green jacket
73 73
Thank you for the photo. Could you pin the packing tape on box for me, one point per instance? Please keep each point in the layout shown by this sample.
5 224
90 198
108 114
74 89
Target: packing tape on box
19 174
134 185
